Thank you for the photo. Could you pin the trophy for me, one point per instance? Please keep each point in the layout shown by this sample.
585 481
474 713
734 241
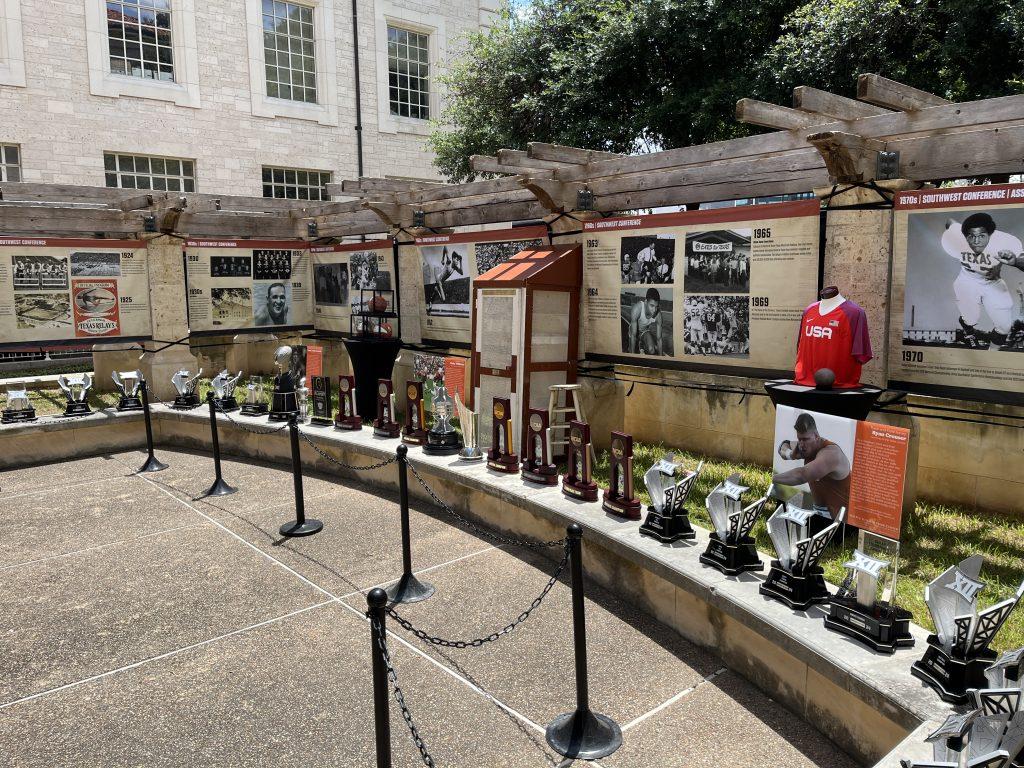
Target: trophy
578 482
285 401
76 388
669 486
537 466
347 418
223 385
185 385
501 456
414 433
302 395
731 548
19 407
1006 671
860 610
255 401
322 401
470 423
619 499
385 425
950 743
442 439
795 577
958 652
129 383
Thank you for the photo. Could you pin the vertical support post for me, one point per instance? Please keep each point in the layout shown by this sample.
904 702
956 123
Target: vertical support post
219 487
301 526
376 600
408 589
153 464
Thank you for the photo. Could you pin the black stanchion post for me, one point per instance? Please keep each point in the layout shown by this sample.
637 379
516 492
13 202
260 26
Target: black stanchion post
153 464
407 589
219 487
301 526
581 733
376 601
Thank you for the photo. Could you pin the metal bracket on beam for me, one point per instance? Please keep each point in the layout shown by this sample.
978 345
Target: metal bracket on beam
888 165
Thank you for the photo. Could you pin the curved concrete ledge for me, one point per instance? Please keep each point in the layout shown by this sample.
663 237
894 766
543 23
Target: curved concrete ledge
867 703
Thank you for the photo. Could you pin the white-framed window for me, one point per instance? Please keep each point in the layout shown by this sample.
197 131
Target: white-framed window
292 60
295 183
143 48
171 174
12 51
405 37
408 73
10 162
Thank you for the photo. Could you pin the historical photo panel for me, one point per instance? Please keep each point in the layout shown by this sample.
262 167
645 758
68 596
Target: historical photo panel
718 261
717 325
95 264
647 323
446 280
648 259
330 284
39 272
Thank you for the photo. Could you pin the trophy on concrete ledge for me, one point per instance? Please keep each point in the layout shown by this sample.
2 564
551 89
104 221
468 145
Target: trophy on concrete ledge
578 482
860 610
669 486
347 418
185 385
223 385
949 742
619 499
442 439
285 402
959 652
385 425
501 457
322 401
731 548
414 432
470 423
537 466
76 388
255 400
795 577
19 407
302 397
129 383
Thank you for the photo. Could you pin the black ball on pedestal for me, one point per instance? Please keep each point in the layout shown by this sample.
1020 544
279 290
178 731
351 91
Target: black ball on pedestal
824 378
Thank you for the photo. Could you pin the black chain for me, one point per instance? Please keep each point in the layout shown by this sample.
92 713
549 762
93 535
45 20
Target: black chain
476 528
476 643
333 460
246 428
399 696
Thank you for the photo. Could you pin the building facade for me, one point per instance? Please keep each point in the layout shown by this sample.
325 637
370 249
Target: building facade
247 97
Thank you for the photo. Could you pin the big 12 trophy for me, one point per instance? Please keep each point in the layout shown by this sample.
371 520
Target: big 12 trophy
731 549
470 423
285 401
255 400
669 486
795 577
223 385
385 425
185 385
322 401
959 650
76 388
347 417
19 407
537 466
578 482
129 383
500 456
442 439
414 432
860 612
619 499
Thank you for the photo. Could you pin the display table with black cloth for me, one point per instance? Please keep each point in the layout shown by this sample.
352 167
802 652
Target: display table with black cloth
853 403
373 358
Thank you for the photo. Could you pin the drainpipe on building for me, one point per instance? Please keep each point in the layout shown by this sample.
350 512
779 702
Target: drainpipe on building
359 103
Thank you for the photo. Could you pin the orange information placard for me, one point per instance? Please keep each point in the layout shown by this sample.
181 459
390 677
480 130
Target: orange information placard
879 474
455 376
314 361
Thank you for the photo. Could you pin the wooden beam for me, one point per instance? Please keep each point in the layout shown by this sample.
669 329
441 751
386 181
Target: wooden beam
520 159
848 158
134 203
537 150
556 196
473 188
391 214
16 219
821 102
513 196
367 185
769 115
884 92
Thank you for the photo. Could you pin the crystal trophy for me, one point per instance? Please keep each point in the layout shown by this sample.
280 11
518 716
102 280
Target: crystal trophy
347 418
731 548
19 407
414 432
959 652
795 577
255 398
76 388
223 385
284 403
185 385
442 439
861 611
470 423
129 384
669 486
302 395
501 457
537 466
321 401
619 499
385 425
578 482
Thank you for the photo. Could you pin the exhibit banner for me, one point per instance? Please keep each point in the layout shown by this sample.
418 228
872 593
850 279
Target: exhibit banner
838 462
957 317
344 279
235 285
54 289
720 290
450 263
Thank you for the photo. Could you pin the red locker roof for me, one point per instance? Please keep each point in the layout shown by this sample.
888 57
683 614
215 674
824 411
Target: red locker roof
557 265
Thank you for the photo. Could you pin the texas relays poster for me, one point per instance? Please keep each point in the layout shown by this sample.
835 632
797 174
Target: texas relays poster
957 322
716 290
54 289
345 279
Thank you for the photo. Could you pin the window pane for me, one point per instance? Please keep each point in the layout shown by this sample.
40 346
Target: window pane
408 73
111 179
13 173
190 185
140 21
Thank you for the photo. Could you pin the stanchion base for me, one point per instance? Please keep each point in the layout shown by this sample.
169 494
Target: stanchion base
586 735
219 488
409 589
295 529
153 464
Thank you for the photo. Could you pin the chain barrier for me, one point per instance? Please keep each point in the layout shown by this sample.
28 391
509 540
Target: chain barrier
476 528
400 697
477 642
323 454
246 427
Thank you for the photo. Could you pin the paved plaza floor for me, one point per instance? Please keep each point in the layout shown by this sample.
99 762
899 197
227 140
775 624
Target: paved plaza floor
139 627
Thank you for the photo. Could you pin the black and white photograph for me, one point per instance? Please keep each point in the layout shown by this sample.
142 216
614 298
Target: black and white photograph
96 264
272 303
646 321
446 282
365 271
42 310
272 265
231 307
647 259
718 261
231 266
330 284
40 273
717 326
965 280
490 255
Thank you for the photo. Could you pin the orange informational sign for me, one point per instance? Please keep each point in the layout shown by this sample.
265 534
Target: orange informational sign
455 376
95 305
314 361
879 474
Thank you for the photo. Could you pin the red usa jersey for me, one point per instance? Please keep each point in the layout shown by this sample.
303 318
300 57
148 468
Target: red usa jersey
837 340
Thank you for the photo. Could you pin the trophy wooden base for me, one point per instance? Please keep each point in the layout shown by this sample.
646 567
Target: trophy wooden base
76 408
507 463
129 403
949 676
447 444
254 409
732 559
414 436
15 415
388 429
321 421
186 402
799 592
348 422
542 474
621 507
226 404
583 491
883 627
667 528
